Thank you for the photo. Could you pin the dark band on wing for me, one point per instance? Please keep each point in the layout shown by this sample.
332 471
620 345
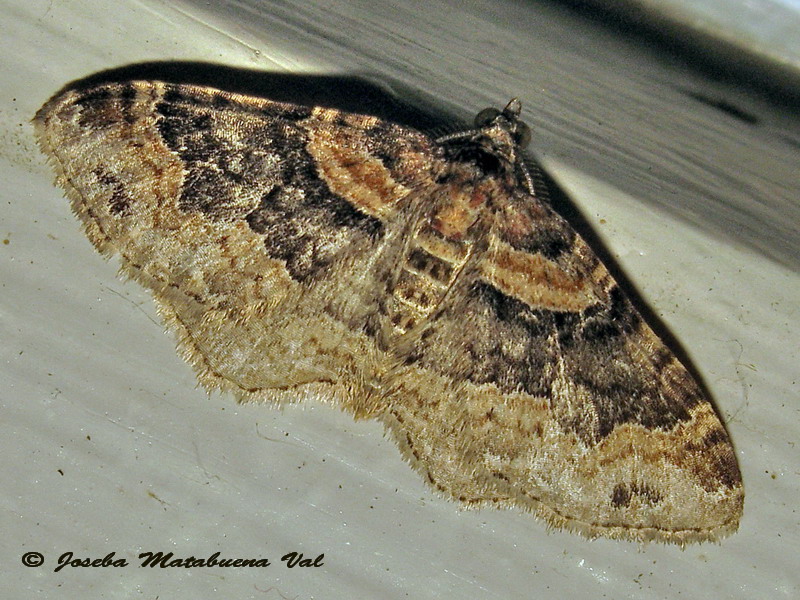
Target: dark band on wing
263 174
518 348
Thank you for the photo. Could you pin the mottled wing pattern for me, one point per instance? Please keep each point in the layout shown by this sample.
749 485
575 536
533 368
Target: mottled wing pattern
256 224
308 252
559 398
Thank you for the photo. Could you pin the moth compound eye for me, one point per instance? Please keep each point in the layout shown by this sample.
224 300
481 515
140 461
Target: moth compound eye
523 134
486 116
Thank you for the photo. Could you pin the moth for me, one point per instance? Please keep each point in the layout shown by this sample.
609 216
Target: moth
303 252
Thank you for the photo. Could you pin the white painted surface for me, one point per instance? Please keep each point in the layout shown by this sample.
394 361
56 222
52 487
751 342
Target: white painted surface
765 28
699 207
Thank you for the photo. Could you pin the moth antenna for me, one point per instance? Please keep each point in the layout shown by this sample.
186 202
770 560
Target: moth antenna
526 175
456 136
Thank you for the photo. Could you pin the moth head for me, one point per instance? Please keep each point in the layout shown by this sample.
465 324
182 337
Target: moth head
497 142
501 132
